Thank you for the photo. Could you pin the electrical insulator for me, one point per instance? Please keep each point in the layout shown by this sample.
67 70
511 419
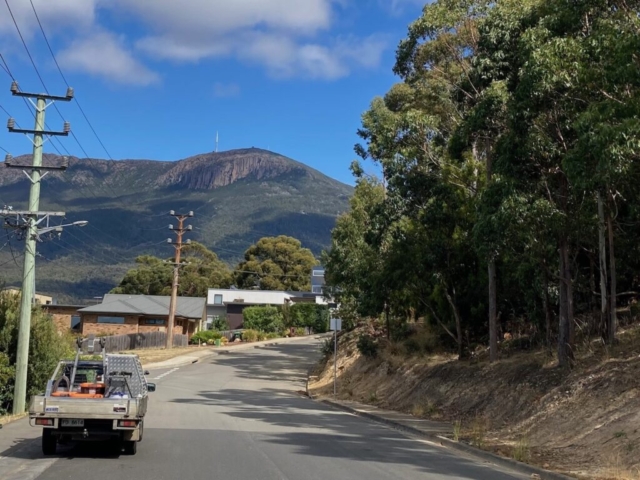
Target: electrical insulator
191 214
170 227
7 159
67 127
70 92
11 123
190 227
189 242
172 212
14 87
168 240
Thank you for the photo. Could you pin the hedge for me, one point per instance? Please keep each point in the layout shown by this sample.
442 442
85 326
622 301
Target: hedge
310 315
263 319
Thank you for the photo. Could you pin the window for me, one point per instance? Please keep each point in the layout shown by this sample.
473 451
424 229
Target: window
102 319
154 321
217 299
316 289
75 322
318 273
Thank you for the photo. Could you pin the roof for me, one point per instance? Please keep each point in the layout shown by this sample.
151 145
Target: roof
187 307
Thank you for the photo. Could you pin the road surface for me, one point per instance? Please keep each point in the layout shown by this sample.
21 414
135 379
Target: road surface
238 417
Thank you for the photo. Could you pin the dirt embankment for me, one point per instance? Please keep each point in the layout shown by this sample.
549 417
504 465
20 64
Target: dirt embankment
584 422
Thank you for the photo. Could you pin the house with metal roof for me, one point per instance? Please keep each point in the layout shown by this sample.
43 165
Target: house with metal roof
126 314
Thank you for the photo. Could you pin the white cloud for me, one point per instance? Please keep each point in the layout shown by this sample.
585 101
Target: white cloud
398 7
272 33
104 55
226 90
55 15
285 58
287 37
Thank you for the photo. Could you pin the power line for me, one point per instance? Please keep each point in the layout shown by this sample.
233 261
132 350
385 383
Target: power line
25 46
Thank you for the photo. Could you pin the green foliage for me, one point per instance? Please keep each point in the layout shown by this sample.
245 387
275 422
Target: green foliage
249 335
327 347
310 315
276 263
300 332
46 348
272 335
153 276
263 319
368 346
509 119
220 323
204 336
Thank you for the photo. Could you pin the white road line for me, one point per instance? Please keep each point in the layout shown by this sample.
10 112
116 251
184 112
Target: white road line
165 374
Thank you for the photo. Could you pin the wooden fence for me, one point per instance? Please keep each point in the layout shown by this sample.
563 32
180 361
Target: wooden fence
136 341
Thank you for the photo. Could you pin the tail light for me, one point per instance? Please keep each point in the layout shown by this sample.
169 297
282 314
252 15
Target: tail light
47 422
127 423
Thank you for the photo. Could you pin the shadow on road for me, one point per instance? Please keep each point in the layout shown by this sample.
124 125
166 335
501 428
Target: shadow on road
314 429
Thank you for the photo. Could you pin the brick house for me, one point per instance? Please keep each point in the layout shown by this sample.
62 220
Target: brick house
65 317
125 314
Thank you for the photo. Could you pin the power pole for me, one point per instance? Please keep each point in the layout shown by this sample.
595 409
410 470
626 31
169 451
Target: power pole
32 218
179 231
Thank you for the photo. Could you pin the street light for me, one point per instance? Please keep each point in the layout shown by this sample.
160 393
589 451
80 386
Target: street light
58 228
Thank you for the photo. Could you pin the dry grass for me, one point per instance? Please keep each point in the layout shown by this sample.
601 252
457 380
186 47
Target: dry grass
521 451
11 418
617 471
153 355
479 427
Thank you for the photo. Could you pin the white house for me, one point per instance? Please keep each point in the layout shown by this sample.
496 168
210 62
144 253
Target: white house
230 303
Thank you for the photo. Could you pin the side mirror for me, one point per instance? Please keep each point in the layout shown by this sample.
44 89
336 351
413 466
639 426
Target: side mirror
151 387
146 372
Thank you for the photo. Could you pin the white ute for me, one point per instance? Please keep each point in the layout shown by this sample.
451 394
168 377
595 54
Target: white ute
93 400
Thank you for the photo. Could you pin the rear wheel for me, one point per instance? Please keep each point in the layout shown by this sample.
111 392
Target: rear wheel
49 442
130 448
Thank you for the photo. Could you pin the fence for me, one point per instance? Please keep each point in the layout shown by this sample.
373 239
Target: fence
135 341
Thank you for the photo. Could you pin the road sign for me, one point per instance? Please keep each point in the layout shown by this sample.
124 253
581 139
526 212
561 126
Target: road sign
335 324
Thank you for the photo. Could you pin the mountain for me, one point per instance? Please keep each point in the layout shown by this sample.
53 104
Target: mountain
238 196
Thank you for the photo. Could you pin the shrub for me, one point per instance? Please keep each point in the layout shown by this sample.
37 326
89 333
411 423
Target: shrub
327 347
367 346
204 336
261 336
224 340
421 342
272 335
310 315
46 348
249 335
263 319
220 323
300 332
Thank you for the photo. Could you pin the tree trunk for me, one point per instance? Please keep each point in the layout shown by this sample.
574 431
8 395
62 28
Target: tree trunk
493 313
566 309
386 311
602 254
547 306
493 294
456 315
613 319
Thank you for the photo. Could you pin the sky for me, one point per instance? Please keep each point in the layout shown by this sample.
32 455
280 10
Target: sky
158 78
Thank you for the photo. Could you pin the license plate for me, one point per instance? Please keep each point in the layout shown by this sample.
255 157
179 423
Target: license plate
71 422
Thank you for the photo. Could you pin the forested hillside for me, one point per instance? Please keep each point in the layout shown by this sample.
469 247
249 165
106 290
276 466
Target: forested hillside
509 199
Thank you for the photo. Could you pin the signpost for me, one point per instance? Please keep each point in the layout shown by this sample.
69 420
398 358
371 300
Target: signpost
335 325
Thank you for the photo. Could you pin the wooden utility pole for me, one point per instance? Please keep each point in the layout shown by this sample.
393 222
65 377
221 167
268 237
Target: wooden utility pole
179 231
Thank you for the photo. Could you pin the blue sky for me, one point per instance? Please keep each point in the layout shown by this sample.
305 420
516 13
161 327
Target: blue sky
158 78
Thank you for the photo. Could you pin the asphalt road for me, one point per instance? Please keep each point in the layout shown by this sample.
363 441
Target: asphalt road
238 417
